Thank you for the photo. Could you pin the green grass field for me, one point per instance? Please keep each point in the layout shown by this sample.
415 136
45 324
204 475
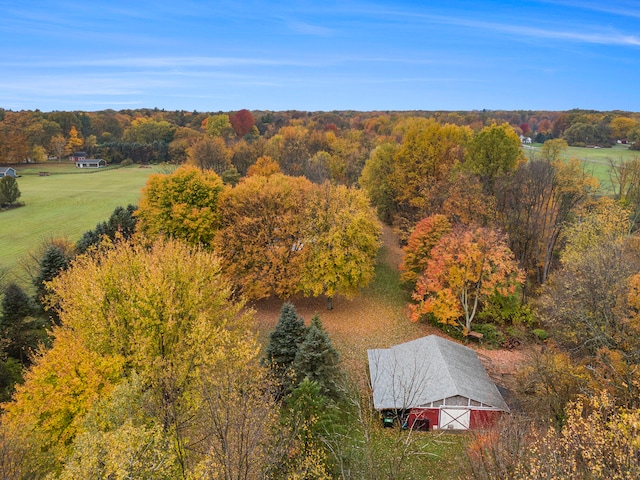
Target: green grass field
66 203
596 160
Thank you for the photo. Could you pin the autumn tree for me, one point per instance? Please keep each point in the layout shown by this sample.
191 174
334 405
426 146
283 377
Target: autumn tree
466 201
423 162
149 130
318 168
289 147
417 252
377 180
492 152
625 180
183 205
595 223
242 122
116 439
241 435
552 150
466 268
340 244
219 126
264 166
210 154
262 234
535 204
245 154
163 312
589 306
548 381
74 142
598 440
621 126
14 140
57 146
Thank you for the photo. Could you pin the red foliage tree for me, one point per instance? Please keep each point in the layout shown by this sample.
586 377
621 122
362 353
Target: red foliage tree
242 122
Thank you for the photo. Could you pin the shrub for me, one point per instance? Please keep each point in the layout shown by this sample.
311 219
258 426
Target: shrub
491 335
126 162
540 334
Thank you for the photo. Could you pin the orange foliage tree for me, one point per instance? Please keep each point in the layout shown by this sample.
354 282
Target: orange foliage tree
424 237
466 267
262 233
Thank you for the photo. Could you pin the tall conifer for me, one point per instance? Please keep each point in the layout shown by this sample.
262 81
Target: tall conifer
283 344
318 361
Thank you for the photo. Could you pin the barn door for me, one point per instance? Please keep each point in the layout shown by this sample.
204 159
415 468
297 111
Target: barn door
454 418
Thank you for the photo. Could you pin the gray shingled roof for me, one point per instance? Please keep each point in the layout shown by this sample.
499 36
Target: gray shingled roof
426 370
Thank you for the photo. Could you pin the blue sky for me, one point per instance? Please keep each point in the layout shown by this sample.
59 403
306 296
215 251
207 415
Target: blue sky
329 55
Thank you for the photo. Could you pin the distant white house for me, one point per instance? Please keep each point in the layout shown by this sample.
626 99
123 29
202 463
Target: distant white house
91 163
8 172
525 140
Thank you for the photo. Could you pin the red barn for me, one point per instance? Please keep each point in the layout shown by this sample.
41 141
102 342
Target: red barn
434 383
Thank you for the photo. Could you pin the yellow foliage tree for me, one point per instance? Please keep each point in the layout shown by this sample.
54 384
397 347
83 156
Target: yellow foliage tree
596 222
342 241
58 391
264 166
74 142
181 205
163 312
598 441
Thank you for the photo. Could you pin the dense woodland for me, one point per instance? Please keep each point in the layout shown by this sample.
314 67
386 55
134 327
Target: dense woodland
134 355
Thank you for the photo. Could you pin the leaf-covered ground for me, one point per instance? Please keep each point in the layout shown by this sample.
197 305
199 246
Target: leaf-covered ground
377 318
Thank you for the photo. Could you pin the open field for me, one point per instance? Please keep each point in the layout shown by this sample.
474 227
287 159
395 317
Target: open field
65 203
596 160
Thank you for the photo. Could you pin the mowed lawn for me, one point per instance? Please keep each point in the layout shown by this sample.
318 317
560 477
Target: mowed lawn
596 161
64 204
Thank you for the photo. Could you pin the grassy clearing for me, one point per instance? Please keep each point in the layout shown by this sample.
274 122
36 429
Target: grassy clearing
65 204
596 161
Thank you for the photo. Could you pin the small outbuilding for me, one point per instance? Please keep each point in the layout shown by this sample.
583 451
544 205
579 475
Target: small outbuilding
91 163
434 383
8 172
77 156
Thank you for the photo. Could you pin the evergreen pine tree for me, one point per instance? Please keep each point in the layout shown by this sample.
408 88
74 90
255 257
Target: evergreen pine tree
15 304
122 221
318 361
283 344
53 261
19 330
